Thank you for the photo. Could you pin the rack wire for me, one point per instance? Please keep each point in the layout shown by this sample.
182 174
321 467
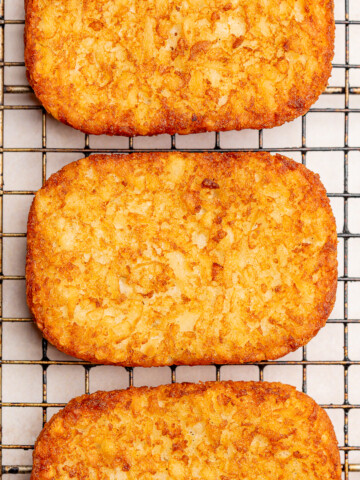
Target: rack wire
344 279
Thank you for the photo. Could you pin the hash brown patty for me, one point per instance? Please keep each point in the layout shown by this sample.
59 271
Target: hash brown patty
144 67
181 258
215 430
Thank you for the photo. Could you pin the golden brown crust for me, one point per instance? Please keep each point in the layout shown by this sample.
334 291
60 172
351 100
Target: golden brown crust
181 258
214 430
145 67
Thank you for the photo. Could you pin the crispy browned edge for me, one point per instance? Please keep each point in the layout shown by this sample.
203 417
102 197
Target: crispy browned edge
284 164
101 402
171 122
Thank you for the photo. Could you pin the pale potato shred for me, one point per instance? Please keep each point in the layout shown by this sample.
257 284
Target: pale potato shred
144 67
212 431
181 258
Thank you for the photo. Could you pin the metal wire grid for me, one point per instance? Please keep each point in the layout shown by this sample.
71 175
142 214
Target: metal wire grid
344 279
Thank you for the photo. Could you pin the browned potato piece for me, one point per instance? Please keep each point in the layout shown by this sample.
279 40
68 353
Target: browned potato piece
213 431
144 67
155 259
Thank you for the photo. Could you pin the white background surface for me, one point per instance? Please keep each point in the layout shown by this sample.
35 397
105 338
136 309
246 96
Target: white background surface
22 171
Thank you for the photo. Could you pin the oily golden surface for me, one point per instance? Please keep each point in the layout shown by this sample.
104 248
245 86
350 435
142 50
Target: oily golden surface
212 431
142 67
156 259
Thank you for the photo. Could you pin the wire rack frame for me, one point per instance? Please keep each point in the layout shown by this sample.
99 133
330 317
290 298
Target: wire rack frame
344 279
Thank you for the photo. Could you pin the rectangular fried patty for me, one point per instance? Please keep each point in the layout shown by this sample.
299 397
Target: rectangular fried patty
216 430
181 258
144 67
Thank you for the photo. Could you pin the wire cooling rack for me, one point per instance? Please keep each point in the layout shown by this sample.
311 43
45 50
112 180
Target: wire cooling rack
37 380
